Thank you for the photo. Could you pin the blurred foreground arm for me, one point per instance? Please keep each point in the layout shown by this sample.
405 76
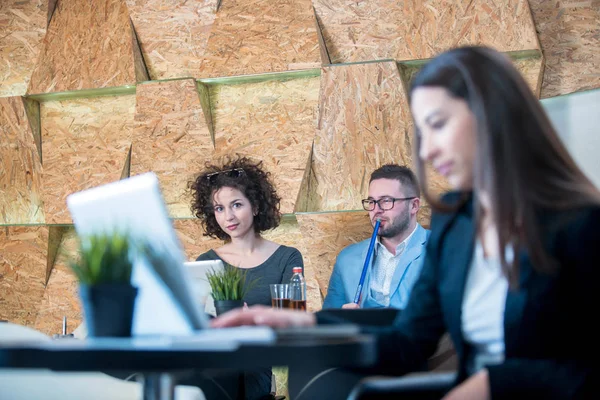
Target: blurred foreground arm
262 315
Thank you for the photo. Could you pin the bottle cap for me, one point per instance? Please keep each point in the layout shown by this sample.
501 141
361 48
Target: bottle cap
296 269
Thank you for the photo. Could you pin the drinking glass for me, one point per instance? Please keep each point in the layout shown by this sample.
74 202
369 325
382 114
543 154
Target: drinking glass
280 295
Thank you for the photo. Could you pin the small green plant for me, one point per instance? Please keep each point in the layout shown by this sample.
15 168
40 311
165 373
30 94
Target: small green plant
104 258
230 283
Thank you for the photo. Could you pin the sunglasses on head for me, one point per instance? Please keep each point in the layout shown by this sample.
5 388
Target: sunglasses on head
231 173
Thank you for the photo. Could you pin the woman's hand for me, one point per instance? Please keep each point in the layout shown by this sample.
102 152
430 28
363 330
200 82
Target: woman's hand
477 387
261 315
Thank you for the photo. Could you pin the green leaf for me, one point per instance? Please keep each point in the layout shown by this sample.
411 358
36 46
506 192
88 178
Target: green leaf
105 258
229 284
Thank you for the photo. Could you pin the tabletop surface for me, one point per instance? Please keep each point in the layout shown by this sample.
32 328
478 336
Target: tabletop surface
317 348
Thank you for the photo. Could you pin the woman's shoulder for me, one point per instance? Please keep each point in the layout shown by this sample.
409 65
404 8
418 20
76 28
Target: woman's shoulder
287 255
287 250
209 255
582 220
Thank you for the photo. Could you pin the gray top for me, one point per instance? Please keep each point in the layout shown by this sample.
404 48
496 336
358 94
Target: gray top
276 269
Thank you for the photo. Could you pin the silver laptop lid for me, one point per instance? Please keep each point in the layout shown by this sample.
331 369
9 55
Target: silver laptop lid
201 291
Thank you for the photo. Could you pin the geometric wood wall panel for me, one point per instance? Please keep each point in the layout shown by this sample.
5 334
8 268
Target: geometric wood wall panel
190 233
89 44
171 138
22 272
20 166
569 34
324 235
85 144
61 296
409 30
172 35
261 36
364 122
22 29
270 121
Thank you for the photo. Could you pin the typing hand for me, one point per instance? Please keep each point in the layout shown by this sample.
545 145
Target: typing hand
477 387
351 306
261 315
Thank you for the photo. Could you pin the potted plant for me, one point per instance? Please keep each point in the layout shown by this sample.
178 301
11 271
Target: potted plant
228 287
104 271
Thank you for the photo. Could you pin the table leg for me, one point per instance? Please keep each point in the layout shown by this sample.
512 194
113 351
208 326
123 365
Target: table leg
158 386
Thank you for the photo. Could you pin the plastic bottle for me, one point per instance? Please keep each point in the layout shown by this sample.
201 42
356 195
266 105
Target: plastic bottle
297 290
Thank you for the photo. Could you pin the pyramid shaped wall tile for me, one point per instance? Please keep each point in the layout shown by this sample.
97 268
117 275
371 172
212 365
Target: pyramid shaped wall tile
569 34
410 30
61 298
85 144
173 35
364 122
22 272
261 36
270 121
20 166
171 138
89 44
22 30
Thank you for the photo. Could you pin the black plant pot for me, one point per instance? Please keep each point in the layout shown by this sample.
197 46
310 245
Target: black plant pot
222 306
108 308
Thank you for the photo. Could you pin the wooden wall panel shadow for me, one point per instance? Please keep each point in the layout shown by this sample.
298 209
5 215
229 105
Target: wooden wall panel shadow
22 272
85 144
408 30
363 123
20 166
532 70
88 45
270 121
569 34
261 36
324 235
172 35
61 296
22 29
190 234
171 138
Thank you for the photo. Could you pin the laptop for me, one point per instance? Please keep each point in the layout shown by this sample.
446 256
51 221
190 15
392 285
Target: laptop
165 305
201 290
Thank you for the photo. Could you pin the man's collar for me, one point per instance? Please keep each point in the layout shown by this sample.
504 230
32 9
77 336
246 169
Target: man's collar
404 243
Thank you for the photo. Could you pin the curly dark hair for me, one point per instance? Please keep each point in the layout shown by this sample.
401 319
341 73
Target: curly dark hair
253 182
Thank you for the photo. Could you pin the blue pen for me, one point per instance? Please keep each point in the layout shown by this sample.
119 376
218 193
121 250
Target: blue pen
367 261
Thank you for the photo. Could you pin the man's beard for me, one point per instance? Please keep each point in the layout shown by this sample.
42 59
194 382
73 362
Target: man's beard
397 227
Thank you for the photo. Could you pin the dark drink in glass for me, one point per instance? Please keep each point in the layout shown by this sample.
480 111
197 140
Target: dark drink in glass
280 303
298 305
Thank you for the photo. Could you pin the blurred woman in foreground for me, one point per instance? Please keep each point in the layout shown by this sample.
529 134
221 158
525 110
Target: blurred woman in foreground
512 259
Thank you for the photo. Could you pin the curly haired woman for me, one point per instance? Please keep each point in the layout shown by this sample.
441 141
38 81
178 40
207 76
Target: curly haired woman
236 202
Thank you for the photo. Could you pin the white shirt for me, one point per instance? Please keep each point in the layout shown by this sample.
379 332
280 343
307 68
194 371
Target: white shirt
384 267
483 309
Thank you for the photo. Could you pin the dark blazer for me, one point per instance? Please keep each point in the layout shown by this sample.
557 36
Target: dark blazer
549 321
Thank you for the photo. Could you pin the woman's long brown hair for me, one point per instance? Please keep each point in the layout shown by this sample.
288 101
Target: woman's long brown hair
520 163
